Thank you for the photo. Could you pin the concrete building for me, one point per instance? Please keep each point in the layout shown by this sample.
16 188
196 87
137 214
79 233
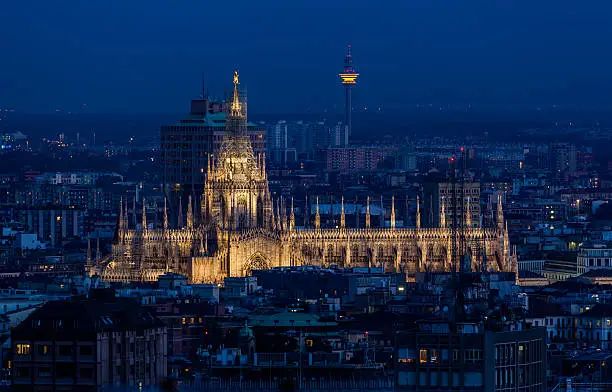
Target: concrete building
562 159
88 345
187 145
466 356
356 157
594 258
437 202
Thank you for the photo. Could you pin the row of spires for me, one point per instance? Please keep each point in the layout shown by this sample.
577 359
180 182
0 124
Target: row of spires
123 215
367 215
98 252
280 221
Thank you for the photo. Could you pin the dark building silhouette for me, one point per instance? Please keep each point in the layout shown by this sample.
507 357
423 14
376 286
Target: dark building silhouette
88 345
471 356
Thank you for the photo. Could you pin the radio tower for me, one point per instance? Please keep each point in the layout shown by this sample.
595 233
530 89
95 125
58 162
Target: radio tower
349 79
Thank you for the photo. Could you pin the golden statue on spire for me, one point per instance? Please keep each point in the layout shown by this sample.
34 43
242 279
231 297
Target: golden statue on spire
236 109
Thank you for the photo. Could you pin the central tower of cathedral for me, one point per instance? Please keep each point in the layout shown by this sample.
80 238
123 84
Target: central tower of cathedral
236 195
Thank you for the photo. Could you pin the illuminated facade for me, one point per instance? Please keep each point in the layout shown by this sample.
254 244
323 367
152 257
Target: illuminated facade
242 228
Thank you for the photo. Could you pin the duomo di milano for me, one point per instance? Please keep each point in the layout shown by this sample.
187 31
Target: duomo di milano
242 228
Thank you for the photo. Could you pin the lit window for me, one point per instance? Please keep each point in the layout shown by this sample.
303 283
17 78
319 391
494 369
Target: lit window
43 349
23 349
423 356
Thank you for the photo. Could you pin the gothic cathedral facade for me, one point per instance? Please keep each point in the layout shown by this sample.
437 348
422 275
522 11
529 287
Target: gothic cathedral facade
242 228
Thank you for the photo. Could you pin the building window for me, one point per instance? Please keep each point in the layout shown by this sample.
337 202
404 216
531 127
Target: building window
43 349
423 356
23 349
456 355
44 372
64 370
22 372
434 356
65 350
86 372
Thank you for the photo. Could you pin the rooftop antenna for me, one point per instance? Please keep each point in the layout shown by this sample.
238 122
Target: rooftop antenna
203 93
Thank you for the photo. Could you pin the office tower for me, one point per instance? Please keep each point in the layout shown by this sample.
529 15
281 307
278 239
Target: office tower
562 158
280 149
438 205
187 144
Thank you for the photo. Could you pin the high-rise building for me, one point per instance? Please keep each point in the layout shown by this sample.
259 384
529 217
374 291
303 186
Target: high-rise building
280 149
187 145
439 209
562 158
349 79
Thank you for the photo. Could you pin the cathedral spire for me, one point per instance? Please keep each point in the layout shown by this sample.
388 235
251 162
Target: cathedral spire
236 106
121 228
165 214
284 212
393 212
317 216
291 217
500 213
88 260
180 213
189 214
342 215
208 167
263 165
367 218
144 215
418 213
468 213
98 254
279 216
135 221
126 218
442 214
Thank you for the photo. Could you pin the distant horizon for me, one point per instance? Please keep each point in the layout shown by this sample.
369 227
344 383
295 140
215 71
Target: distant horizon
416 109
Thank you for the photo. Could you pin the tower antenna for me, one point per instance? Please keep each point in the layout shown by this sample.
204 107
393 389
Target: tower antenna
349 79
203 94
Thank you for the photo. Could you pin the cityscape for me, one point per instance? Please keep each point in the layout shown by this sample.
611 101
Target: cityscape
264 242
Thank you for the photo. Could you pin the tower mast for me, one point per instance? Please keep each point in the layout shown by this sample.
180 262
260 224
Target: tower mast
349 79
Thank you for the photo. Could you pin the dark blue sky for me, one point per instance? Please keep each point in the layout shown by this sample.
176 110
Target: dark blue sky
147 56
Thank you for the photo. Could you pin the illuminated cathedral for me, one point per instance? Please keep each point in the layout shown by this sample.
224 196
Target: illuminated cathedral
243 228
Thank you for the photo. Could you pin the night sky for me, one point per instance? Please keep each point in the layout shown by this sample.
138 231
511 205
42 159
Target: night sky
131 56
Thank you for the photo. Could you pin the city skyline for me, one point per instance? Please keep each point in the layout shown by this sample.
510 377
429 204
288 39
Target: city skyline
119 58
